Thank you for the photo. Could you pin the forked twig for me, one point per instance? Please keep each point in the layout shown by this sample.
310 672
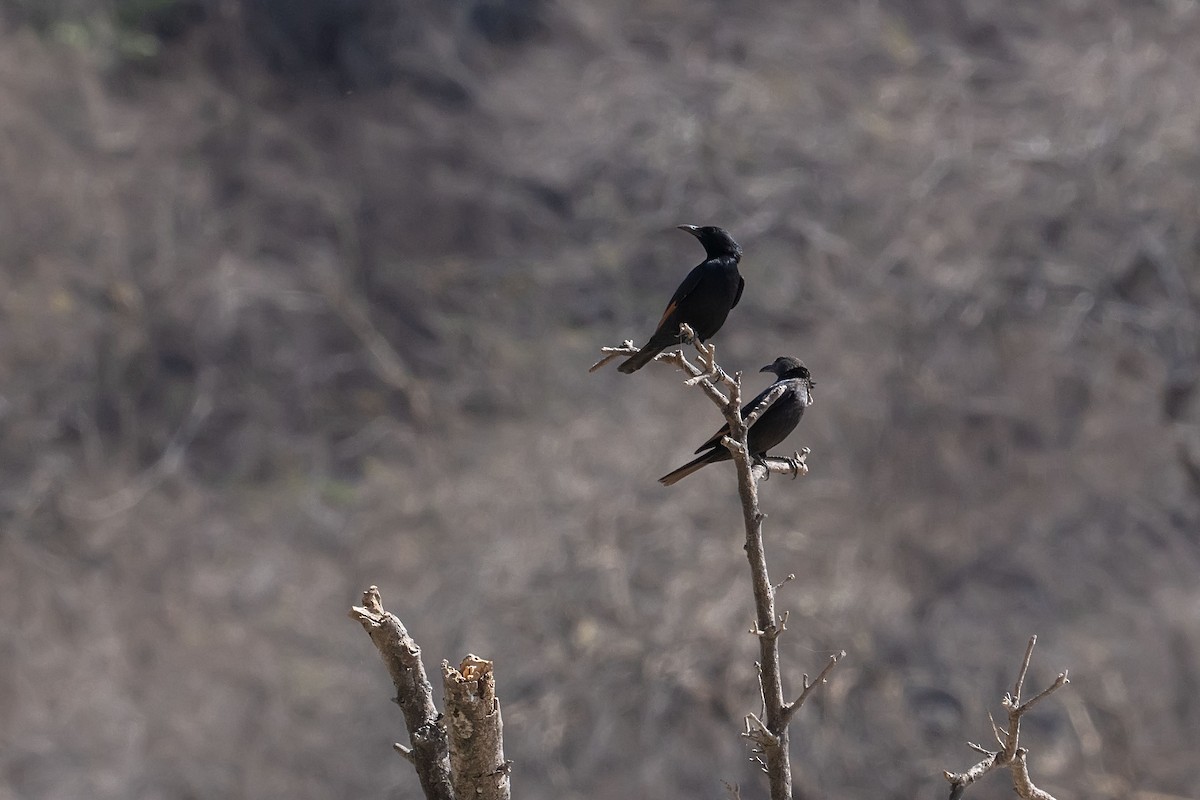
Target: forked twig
1010 754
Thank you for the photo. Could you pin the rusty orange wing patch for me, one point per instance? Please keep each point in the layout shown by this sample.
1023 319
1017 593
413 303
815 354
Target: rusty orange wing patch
670 310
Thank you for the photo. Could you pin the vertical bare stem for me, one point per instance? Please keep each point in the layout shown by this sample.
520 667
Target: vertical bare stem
478 768
770 734
774 740
779 767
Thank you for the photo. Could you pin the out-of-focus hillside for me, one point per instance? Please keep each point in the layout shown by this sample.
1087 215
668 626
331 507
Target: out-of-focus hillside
291 305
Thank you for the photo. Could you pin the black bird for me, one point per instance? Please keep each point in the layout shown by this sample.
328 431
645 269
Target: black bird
704 298
780 418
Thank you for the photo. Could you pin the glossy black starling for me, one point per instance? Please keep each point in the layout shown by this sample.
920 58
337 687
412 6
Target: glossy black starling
780 418
704 298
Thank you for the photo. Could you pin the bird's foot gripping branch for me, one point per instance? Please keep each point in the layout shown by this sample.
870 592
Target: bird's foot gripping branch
796 464
706 358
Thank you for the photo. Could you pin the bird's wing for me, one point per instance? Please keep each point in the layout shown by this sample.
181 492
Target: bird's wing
747 410
716 439
738 296
685 288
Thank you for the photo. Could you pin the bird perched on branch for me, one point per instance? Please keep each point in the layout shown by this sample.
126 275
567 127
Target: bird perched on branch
704 298
773 425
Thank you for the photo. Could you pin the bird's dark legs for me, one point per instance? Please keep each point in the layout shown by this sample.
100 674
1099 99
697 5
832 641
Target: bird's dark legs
797 461
760 460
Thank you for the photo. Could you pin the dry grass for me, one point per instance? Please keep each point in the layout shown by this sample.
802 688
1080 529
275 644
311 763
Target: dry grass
977 227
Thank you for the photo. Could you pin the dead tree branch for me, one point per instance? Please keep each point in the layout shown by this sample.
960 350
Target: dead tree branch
477 766
809 688
430 752
769 734
1010 755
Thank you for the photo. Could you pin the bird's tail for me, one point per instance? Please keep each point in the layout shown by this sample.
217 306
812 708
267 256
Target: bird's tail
636 362
672 478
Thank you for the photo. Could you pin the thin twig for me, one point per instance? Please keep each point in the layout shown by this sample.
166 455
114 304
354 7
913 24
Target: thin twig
771 397
1009 755
627 348
1059 682
809 688
791 576
1024 669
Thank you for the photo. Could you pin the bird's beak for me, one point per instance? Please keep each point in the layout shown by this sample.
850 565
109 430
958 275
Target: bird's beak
694 230
768 368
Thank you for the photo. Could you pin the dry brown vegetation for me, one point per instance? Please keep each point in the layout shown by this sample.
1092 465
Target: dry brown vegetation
266 341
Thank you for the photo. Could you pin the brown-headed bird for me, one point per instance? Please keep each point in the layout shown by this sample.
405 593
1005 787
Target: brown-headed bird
780 418
704 298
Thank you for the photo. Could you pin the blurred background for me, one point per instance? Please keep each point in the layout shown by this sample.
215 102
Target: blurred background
300 295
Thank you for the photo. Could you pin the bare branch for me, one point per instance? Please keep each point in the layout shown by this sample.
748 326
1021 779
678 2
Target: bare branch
959 781
1059 682
627 348
477 765
430 751
770 732
1021 782
996 732
790 710
1024 669
1010 755
771 397
758 732
777 759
